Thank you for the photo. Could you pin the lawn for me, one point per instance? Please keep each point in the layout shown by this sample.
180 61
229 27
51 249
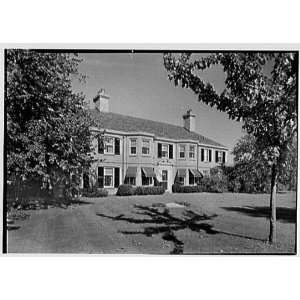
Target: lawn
198 223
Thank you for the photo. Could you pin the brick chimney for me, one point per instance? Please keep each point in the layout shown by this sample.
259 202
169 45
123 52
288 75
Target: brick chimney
101 100
189 122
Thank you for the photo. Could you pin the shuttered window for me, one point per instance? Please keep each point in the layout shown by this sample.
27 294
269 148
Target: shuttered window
100 177
117 177
202 154
117 146
170 151
159 149
164 150
100 145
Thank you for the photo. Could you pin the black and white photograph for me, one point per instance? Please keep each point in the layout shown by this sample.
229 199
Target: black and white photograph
150 151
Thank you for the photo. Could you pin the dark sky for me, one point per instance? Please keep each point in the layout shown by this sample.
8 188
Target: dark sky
138 86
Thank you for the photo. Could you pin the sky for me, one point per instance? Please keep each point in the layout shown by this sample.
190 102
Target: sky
138 85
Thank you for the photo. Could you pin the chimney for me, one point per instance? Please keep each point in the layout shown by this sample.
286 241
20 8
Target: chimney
189 122
100 102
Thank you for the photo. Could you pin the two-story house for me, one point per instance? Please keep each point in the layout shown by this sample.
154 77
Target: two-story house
144 152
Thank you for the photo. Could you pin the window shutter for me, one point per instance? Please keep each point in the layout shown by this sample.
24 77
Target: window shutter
117 146
202 154
224 157
216 156
117 177
209 153
100 145
86 180
170 151
100 177
159 150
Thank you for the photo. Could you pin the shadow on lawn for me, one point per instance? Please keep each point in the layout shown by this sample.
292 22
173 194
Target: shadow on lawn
283 214
167 224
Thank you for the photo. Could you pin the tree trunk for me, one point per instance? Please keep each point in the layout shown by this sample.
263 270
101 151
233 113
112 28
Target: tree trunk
272 236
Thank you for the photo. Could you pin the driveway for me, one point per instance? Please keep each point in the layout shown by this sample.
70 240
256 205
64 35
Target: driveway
199 223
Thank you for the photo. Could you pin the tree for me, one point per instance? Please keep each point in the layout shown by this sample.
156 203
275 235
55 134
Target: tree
266 103
48 134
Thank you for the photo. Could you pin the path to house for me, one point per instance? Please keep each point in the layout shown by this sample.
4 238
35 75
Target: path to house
170 223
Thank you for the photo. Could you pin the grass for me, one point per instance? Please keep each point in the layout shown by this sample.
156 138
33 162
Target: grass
199 224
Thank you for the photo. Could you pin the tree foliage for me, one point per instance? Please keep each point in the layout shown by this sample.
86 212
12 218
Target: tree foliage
265 102
48 132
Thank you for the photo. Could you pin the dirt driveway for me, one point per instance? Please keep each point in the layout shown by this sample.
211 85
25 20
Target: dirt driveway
166 224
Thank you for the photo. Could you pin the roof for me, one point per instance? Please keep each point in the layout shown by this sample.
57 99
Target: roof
118 122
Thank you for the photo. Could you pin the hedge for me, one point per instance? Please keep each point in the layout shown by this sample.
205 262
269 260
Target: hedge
177 188
212 184
129 190
149 190
94 192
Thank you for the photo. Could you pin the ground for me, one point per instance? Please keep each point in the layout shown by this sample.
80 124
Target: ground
198 223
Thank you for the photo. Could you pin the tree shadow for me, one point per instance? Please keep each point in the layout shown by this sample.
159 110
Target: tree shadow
162 222
283 214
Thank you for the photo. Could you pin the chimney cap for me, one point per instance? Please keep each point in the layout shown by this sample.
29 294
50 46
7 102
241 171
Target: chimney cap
101 93
188 114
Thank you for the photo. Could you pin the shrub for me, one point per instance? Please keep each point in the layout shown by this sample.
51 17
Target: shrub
213 184
177 188
94 192
125 190
149 190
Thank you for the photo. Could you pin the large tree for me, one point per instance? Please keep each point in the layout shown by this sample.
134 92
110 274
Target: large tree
48 132
265 101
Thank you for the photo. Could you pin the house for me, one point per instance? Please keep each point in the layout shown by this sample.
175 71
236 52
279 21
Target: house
143 152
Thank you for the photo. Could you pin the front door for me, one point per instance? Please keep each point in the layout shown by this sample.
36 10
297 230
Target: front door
164 179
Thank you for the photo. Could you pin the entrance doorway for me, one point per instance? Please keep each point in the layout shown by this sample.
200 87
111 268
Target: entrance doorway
164 179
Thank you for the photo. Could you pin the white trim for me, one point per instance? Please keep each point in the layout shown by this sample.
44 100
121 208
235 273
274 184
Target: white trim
157 138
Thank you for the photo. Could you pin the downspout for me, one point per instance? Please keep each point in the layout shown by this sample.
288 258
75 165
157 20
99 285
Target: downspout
123 160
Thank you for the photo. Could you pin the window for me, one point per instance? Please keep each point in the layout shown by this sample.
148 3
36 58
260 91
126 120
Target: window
220 156
146 147
130 180
191 178
109 145
192 151
180 180
182 151
206 172
205 155
164 150
133 146
108 177
146 180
